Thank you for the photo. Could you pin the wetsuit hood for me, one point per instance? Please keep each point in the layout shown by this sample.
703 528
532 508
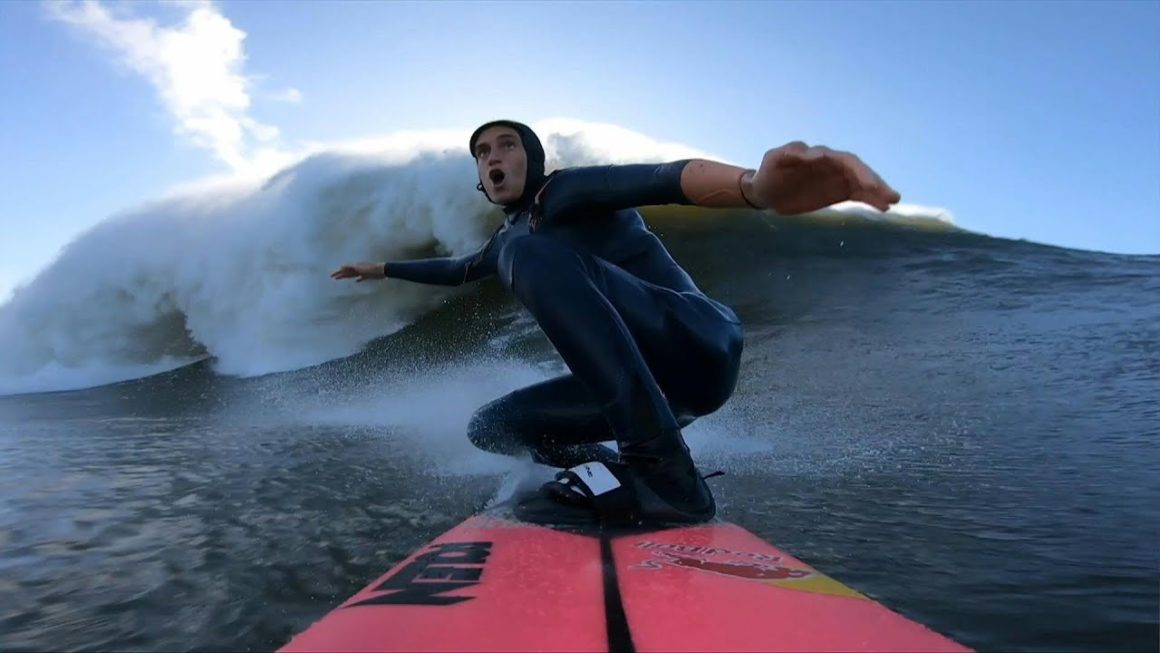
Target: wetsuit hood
536 161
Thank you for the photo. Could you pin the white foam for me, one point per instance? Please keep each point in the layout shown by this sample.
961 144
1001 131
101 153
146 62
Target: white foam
918 212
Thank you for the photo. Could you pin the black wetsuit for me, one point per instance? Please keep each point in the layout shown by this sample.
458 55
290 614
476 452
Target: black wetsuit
648 351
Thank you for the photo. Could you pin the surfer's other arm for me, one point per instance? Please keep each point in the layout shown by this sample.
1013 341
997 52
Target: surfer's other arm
793 178
444 271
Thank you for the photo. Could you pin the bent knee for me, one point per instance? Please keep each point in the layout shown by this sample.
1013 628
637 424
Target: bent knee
495 427
716 376
486 429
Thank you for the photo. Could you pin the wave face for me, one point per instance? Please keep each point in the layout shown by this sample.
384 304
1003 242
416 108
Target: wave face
237 273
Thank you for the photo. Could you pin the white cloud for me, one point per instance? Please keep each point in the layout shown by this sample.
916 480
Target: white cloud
196 67
291 94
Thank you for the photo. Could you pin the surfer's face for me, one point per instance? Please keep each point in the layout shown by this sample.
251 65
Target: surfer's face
502 164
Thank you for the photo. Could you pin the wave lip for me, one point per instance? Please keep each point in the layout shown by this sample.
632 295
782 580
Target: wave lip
917 216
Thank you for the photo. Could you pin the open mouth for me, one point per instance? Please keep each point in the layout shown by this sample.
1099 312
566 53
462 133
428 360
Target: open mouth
496 176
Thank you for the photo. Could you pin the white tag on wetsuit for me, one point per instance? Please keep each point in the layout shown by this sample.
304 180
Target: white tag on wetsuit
597 477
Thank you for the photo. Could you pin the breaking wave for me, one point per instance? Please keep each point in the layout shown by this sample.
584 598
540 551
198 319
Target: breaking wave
238 272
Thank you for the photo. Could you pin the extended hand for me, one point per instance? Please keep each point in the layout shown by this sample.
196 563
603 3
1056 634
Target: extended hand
795 178
363 271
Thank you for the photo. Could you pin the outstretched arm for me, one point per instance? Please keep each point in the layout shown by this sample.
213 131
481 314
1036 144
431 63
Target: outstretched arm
445 271
432 271
793 178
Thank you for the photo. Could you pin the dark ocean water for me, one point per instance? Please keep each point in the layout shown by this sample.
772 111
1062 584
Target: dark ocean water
963 428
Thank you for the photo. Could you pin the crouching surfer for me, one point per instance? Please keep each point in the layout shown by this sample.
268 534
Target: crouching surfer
647 351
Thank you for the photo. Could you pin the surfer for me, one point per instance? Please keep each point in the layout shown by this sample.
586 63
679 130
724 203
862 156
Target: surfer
647 351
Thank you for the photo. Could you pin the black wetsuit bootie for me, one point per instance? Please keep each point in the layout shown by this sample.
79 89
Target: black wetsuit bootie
681 493
587 495
656 484
665 466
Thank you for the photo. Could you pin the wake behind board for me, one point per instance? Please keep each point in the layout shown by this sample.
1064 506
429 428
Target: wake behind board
493 583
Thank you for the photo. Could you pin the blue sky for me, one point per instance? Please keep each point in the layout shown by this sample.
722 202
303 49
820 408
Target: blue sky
1037 120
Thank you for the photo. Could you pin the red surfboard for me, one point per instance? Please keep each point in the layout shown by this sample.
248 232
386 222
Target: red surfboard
493 583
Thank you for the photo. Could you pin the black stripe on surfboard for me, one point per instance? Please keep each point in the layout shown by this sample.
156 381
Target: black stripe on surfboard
619 636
